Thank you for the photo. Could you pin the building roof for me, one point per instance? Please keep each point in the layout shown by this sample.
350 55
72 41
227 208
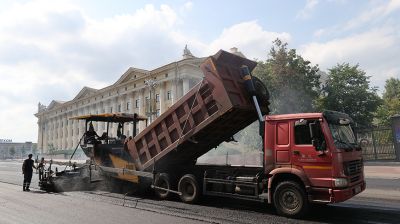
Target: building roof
111 117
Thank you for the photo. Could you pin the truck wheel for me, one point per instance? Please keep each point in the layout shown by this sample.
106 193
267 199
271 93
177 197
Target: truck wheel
189 187
290 199
162 180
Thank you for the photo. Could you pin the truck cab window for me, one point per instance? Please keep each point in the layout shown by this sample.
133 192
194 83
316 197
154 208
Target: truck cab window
302 133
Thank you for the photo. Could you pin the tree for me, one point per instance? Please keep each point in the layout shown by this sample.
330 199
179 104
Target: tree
347 90
23 151
34 149
292 81
391 102
51 148
12 151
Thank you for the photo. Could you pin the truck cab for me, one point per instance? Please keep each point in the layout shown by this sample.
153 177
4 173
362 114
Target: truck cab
308 158
318 151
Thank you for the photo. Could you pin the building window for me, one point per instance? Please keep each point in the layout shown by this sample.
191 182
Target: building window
119 108
137 102
134 85
128 106
157 97
158 113
169 95
110 109
126 88
166 75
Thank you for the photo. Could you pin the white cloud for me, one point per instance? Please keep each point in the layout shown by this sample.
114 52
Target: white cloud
308 9
375 15
49 50
249 37
377 51
370 39
186 7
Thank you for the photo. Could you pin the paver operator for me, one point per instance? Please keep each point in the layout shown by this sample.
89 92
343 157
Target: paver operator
27 170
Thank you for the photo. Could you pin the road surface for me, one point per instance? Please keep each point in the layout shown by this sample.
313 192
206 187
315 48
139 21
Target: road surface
380 203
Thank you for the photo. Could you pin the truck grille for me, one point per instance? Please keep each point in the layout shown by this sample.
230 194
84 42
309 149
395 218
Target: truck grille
354 179
352 167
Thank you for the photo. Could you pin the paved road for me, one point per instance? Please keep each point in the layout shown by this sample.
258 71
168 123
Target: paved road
380 203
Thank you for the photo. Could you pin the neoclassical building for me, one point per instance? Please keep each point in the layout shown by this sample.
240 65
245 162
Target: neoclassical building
133 92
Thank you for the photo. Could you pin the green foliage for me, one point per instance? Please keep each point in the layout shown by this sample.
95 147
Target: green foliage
391 102
52 150
292 81
23 151
347 90
12 151
34 149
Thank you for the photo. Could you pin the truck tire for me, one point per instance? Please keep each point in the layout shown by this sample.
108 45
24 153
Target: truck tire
190 189
162 180
290 199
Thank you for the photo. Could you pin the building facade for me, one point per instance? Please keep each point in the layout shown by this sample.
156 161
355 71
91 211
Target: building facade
140 91
9 149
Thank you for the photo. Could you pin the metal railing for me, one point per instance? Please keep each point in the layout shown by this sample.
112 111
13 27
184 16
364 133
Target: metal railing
377 143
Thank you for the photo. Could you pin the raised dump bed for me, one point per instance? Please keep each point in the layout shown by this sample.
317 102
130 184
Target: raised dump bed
211 112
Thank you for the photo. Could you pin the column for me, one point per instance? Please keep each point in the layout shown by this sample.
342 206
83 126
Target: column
40 134
174 85
59 131
142 111
162 97
74 127
186 86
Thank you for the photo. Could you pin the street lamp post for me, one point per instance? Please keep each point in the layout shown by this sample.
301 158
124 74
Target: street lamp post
151 106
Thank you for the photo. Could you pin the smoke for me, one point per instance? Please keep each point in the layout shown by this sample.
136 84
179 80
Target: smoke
84 179
246 149
291 100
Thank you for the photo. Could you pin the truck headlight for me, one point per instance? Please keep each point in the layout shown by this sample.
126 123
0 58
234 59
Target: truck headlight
340 182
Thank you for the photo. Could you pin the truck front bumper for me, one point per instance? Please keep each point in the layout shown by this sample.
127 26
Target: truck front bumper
339 195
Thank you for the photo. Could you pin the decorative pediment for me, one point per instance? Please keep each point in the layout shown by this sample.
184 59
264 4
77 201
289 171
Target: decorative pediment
54 103
129 75
85 92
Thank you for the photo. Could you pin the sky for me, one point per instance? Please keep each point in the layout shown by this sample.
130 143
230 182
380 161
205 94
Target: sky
51 49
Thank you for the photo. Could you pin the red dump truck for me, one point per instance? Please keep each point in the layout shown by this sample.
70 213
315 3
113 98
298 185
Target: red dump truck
307 158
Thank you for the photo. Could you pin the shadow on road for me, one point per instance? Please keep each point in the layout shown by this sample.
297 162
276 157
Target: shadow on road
338 213
360 214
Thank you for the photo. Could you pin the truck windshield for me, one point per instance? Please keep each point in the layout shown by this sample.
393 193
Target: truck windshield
343 136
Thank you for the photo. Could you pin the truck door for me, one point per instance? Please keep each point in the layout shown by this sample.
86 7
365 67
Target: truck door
314 161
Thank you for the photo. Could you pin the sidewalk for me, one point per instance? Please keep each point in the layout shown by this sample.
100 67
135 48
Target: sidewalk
382 169
381 163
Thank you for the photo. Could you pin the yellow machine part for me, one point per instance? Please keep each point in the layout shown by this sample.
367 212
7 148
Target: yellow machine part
120 163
